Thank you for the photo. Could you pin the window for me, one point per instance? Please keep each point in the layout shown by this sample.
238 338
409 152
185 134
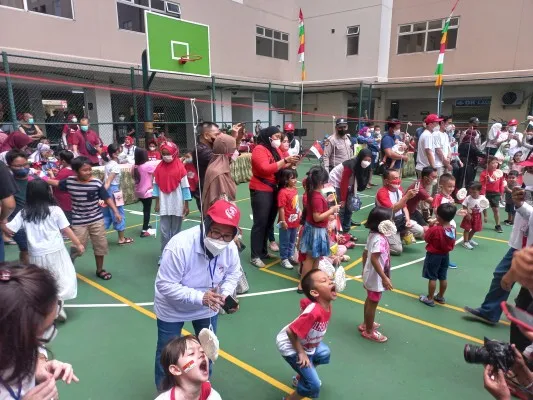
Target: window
352 40
131 12
425 36
58 8
271 43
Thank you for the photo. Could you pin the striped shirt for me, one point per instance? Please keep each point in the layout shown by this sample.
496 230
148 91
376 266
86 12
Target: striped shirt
85 197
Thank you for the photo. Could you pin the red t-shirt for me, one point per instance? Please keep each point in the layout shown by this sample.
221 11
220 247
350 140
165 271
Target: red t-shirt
192 176
422 195
79 139
264 168
441 199
311 325
489 184
154 155
288 200
63 198
69 132
440 240
317 204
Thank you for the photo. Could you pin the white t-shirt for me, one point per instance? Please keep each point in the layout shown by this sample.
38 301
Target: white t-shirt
376 243
426 141
294 151
444 140
112 167
335 175
472 203
172 203
44 237
212 396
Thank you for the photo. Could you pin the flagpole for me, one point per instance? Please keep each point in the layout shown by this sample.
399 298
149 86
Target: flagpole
439 99
302 106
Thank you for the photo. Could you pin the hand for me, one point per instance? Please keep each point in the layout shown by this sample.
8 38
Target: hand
303 360
118 217
156 207
468 216
405 157
6 230
495 383
408 223
46 390
461 165
292 159
237 130
213 300
51 173
342 204
520 368
411 193
186 209
522 267
284 225
336 208
485 219
60 370
387 284
507 282
81 249
101 203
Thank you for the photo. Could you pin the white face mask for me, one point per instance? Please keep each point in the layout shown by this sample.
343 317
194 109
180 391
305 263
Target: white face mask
512 129
528 179
235 155
365 164
215 246
168 158
121 118
275 143
434 182
436 128
529 137
74 120
397 132
396 187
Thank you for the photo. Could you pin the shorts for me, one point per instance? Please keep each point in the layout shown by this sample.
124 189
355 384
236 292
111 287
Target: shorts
493 198
373 296
509 208
96 231
436 267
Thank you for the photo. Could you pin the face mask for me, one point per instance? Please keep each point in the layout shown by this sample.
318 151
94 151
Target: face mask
529 137
365 164
168 158
449 128
234 155
188 161
436 129
30 121
528 179
396 132
512 129
377 133
84 128
121 118
434 182
341 132
371 129
215 247
74 120
21 172
275 143
395 187
505 150
151 148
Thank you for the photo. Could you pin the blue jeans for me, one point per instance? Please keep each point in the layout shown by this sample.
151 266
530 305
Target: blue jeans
287 241
344 214
109 216
309 383
490 308
169 330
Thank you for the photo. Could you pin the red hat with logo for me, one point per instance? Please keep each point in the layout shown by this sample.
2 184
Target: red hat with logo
512 122
432 118
288 127
225 213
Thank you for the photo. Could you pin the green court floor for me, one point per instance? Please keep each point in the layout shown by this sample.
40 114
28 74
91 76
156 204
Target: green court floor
110 335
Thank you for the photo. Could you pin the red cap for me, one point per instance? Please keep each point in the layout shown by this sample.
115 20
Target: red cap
432 118
225 213
288 127
512 122
129 141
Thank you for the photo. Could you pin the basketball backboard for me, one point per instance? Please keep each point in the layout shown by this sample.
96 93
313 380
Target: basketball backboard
169 39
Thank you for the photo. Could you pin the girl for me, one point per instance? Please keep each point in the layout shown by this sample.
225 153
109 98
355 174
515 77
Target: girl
44 222
515 164
153 153
314 242
143 175
112 174
472 220
186 371
492 187
376 270
63 198
288 216
171 191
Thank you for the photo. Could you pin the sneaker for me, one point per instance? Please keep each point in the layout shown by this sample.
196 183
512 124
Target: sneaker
145 234
498 228
294 262
467 245
473 243
426 301
507 222
273 246
440 300
256 262
476 313
452 265
353 223
286 264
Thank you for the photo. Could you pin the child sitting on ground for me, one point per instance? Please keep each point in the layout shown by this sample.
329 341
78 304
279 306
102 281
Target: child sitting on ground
473 205
492 187
301 342
511 183
440 240
186 371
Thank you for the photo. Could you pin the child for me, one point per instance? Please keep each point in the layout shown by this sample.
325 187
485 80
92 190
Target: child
440 241
153 153
87 219
63 198
289 215
376 272
314 242
301 342
143 175
447 187
472 220
514 165
492 188
186 371
512 182
44 224
192 176
112 174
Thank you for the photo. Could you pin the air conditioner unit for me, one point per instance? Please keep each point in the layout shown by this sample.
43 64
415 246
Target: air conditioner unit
515 98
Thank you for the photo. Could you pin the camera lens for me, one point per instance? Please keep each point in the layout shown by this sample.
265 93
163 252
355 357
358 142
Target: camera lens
476 354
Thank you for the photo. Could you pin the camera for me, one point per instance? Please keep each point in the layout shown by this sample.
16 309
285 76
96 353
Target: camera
498 354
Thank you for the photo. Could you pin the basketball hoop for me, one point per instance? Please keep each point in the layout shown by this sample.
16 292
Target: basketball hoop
189 57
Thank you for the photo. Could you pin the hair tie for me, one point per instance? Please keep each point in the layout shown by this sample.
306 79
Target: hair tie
5 275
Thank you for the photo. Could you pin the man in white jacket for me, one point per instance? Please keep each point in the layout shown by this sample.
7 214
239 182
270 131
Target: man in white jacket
200 268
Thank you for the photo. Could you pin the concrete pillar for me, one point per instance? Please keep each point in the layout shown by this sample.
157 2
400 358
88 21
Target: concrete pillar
98 110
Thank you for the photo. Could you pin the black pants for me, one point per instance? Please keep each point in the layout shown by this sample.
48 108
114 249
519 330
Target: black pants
525 302
147 208
264 212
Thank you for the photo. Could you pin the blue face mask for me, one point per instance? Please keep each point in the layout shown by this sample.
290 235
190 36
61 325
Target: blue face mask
30 121
21 172
84 128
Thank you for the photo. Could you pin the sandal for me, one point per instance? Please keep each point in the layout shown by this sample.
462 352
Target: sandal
375 336
126 241
424 299
440 300
103 274
362 327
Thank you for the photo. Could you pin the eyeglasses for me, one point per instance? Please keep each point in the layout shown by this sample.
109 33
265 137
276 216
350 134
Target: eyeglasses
51 332
226 237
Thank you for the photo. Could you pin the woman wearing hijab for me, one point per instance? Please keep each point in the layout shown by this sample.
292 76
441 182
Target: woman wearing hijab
15 141
468 154
350 177
41 154
266 162
172 192
218 182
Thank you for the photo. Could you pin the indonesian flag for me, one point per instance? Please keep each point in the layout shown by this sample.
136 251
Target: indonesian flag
316 149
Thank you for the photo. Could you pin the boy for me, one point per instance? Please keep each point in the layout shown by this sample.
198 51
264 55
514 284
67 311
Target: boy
86 193
300 342
447 186
440 241
512 182
492 189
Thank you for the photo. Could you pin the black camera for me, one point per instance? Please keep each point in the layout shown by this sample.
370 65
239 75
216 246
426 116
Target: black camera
498 354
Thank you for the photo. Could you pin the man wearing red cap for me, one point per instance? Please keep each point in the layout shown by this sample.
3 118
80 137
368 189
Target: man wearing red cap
427 144
200 268
514 136
294 144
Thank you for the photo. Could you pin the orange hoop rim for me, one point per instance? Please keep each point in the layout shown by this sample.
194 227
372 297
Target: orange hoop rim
190 57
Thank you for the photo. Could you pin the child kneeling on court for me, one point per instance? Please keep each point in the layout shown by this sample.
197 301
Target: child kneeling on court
300 343
186 371
440 240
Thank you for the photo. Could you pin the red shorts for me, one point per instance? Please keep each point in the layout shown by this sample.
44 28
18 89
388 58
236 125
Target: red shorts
374 296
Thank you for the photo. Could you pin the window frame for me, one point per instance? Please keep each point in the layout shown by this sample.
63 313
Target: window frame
272 39
426 31
26 9
132 3
349 35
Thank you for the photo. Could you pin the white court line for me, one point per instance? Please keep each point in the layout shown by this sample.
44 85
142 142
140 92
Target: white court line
105 305
268 292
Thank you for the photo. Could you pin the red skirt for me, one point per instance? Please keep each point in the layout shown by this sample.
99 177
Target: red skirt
474 224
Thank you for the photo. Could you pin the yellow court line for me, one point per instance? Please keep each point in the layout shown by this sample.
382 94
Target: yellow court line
488 238
353 264
247 367
271 264
395 313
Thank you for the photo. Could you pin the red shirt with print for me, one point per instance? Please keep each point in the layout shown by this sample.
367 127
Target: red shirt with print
288 200
311 325
438 241
489 184
441 198
192 176
317 204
